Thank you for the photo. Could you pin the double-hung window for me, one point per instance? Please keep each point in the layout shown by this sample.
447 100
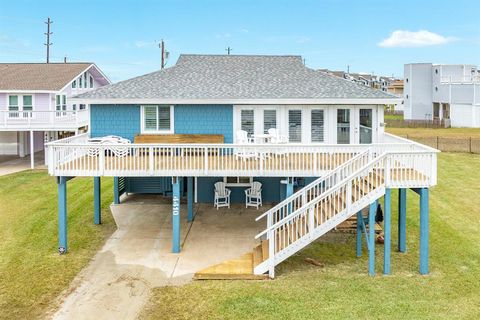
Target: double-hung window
295 125
247 121
158 119
12 103
269 119
13 107
61 104
318 125
91 82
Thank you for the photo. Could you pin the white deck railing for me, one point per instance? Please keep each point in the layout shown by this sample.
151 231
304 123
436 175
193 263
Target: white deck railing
469 79
43 119
327 202
75 156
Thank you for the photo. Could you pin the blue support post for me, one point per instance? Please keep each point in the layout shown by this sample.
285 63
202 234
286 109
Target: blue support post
359 233
176 215
190 198
289 192
116 191
289 187
97 201
424 230
387 220
402 220
371 238
62 214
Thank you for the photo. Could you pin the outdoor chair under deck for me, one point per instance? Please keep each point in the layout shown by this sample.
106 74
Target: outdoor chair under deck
253 195
222 195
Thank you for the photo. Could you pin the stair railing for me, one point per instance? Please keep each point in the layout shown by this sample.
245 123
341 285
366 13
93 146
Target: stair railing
325 211
315 188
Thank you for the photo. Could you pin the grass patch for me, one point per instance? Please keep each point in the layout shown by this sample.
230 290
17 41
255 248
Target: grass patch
441 132
393 116
342 290
32 273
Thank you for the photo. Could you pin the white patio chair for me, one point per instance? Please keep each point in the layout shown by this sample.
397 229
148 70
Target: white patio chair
253 195
244 153
276 136
222 195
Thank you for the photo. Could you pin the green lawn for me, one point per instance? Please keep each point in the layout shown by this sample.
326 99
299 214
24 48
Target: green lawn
32 273
393 116
442 132
342 290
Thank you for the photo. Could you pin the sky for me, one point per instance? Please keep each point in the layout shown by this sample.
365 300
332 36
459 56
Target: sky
122 37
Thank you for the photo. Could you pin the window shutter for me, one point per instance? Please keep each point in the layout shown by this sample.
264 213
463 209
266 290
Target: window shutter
247 121
317 125
150 118
163 118
295 125
269 120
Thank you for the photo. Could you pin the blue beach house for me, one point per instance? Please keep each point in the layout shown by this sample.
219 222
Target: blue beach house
314 142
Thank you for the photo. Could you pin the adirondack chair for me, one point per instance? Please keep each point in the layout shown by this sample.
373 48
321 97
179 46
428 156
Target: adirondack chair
222 195
244 153
253 195
276 136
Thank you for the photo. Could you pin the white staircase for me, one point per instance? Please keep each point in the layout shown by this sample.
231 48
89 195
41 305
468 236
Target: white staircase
321 206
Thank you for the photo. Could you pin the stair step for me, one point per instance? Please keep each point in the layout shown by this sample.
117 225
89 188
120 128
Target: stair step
264 250
257 255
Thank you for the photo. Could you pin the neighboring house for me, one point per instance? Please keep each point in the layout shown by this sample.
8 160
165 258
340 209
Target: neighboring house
35 105
396 88
369 80
447 93
329 159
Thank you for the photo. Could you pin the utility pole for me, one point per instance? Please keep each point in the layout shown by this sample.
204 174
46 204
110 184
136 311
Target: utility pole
164 54
228 50
348 69
162 48
48 33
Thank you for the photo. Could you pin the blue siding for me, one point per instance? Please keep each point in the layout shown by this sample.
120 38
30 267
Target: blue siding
119 120
270 190
205 119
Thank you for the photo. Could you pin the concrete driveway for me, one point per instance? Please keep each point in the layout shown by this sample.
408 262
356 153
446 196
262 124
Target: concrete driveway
12 164
137 257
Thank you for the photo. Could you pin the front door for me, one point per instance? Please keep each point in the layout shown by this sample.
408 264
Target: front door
355 125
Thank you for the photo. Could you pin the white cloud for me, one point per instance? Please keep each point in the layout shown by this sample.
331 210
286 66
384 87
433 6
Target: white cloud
302 39
144 44
223 35
7 41
422 38
244 30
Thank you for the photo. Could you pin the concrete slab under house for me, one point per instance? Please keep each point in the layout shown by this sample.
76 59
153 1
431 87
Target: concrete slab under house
221 127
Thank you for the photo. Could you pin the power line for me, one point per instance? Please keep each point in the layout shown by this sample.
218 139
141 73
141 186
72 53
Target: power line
48 33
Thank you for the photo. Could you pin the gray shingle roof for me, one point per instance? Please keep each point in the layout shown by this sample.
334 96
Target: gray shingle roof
236 77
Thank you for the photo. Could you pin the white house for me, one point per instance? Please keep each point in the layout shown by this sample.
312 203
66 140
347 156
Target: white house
35 106
441 92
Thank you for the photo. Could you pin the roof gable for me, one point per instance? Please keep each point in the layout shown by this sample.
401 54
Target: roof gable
40 76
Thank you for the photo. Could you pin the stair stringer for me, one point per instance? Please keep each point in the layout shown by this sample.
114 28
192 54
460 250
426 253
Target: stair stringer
320 230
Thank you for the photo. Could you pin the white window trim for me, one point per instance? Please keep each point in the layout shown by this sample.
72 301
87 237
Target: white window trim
302 117
237 184
20 101
142 120
309 124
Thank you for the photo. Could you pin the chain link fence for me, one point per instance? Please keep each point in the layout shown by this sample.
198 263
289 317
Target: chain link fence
448 144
